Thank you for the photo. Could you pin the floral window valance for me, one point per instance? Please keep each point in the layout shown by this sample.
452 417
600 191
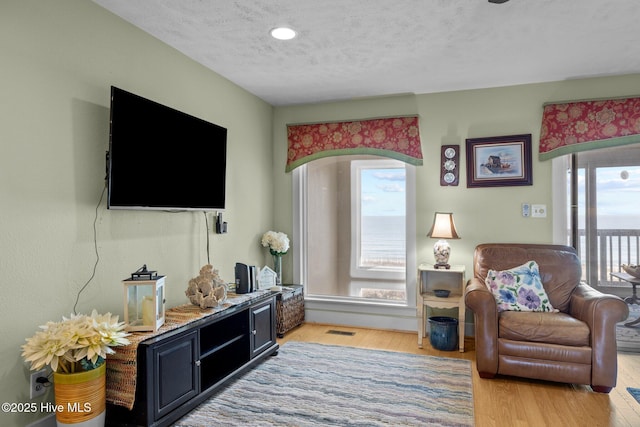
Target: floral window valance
397 138
571 127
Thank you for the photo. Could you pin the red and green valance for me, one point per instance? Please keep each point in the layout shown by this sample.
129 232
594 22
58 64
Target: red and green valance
571 127
397 138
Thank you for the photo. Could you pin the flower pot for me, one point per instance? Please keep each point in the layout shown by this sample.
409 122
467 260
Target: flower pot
81 397
444 333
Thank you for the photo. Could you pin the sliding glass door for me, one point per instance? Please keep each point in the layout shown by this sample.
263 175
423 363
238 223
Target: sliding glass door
606 219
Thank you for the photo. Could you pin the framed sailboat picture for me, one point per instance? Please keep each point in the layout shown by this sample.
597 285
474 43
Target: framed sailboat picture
499 161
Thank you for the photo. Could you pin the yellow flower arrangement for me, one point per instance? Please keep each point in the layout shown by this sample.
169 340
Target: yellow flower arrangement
75 344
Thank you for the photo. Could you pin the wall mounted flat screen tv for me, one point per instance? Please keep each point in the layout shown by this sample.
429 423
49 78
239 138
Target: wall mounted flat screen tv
162 159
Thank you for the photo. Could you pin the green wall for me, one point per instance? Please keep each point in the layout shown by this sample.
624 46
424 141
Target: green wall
481 214
58 61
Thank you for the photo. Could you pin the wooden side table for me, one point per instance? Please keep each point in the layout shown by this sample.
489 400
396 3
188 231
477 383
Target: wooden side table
431 278
289 308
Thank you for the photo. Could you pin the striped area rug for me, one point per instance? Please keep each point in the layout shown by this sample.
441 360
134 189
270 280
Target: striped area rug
628 337
310 384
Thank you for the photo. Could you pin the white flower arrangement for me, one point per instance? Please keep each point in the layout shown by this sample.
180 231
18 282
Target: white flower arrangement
78 343
278 243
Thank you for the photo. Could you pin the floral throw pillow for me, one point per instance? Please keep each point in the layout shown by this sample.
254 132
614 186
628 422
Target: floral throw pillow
519 289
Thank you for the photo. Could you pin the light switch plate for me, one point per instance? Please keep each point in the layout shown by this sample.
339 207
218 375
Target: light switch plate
539 211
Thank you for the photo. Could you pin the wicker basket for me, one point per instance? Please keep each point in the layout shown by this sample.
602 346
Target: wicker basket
289 311
81 397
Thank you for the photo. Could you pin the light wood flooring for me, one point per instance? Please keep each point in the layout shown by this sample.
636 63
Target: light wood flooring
506 401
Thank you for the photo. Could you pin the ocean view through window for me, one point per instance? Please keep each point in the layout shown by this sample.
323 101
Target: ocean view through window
378 237
607 228
356 228
383 242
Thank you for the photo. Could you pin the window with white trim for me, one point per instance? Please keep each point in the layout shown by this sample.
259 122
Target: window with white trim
358 227
378 219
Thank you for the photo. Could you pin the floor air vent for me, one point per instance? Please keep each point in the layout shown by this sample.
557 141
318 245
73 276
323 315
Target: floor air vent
335 332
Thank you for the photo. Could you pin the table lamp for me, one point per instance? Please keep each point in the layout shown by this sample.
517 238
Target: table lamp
442 228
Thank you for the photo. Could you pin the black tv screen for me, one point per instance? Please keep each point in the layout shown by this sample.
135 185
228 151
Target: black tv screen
163 159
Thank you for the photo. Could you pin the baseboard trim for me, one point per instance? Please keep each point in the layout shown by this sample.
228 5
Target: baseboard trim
401 319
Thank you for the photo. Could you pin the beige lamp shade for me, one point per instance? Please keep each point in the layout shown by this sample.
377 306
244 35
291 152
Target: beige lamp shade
443 226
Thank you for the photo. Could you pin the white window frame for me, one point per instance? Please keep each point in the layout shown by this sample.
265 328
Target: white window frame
357 271
322 304
559 168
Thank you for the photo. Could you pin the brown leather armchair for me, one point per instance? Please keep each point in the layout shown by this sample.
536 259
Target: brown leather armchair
575 345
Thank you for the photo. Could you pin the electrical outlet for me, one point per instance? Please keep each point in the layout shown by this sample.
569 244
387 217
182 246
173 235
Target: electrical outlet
37 389
539 211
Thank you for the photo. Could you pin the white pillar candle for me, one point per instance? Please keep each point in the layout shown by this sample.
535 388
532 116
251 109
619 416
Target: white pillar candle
148 312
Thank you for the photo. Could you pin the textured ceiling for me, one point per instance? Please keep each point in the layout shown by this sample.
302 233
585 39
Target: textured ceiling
358 48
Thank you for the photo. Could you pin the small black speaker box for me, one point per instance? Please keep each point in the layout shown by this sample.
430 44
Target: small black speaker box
243 285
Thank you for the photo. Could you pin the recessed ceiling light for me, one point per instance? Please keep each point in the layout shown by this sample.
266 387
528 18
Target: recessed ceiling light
283 33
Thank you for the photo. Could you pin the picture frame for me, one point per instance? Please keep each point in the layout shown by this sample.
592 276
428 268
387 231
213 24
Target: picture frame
499 161
266 278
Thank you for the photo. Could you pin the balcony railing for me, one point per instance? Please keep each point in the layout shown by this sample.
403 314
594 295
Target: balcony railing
614 247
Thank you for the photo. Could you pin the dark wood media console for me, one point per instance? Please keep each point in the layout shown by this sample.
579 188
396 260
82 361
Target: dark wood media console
178 370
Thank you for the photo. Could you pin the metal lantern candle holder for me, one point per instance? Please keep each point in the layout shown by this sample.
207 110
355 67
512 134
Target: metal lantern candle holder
144 301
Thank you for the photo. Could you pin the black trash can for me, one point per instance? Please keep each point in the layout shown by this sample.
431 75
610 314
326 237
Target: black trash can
443 333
